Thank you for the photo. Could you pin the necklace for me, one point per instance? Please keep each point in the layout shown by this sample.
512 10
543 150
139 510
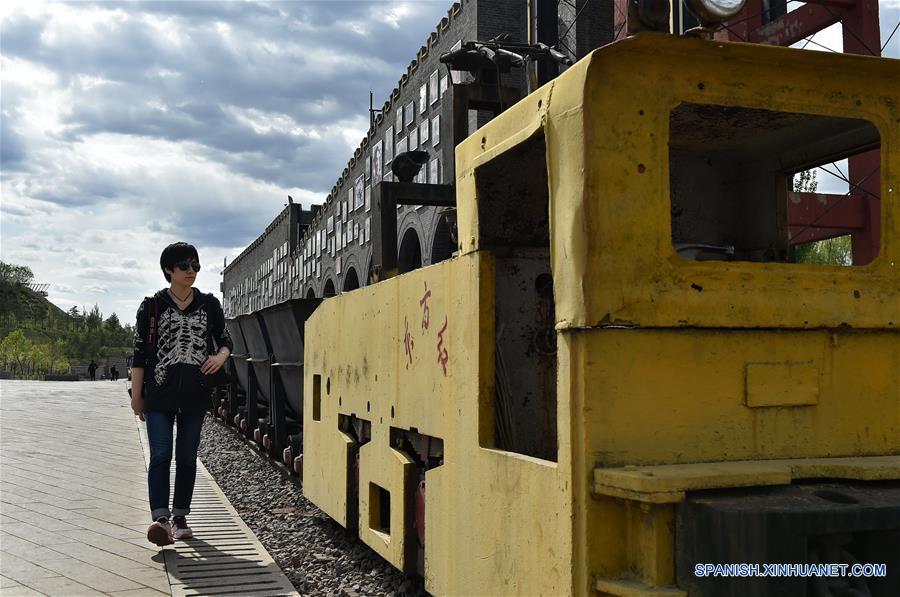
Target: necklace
178 298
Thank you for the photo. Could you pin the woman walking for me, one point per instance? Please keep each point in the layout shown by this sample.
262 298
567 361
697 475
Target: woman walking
180 340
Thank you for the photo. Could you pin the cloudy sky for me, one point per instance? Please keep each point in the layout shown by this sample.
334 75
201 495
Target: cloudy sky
127 126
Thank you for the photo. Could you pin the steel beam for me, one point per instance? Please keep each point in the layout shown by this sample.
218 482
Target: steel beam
826 210
860 214
795 26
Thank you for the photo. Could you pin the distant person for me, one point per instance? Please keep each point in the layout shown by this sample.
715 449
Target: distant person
92 371
180 335
113 373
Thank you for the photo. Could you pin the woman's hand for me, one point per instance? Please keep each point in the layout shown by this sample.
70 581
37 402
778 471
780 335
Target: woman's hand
213 363
137 404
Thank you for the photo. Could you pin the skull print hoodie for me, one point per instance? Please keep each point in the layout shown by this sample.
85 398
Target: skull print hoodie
171 345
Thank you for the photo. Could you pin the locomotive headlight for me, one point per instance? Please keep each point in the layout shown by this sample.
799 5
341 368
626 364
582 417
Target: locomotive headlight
713 12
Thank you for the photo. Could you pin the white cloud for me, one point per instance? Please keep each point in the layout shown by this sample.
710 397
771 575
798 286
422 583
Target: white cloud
394 15
128 126
29 7
889 18
832 38
61 289
107 249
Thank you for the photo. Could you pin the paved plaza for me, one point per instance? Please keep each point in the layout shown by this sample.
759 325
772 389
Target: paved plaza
74 513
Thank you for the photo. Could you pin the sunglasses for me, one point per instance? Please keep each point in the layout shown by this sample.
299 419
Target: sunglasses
184 265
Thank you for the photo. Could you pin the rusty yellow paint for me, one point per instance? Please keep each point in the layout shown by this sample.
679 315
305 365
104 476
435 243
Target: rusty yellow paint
631 548
788 383
671 481
648 542
606 127
658 413
496 522
390 470
632 588
685 389
698 388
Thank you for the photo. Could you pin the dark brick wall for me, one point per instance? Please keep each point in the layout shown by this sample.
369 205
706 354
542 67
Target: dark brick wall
262 274
498 17
320 267
594 27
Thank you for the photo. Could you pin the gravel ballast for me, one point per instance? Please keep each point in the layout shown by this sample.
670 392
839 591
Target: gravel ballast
318 555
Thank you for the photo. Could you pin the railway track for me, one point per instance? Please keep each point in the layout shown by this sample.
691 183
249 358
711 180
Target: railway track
317 555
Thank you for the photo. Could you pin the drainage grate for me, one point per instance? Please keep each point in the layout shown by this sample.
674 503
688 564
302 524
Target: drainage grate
224 557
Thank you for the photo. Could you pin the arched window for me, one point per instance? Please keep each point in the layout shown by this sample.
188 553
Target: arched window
329 289
410 255
310 293
443 246
351 280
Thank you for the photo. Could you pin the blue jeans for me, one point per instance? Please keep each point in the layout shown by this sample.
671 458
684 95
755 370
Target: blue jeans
159 432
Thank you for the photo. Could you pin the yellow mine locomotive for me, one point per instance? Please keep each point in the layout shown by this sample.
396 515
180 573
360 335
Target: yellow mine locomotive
621 379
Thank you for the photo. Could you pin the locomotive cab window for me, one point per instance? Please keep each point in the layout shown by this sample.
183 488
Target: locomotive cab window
758 185
514 223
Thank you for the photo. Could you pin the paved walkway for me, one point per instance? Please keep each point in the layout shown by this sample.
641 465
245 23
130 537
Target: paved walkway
73 505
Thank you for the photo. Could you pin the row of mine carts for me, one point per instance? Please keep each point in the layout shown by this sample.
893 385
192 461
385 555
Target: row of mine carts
264 399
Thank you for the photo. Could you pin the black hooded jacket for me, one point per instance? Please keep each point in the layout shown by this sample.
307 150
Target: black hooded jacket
183 341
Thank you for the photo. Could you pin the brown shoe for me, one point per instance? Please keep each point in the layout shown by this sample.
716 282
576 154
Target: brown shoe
160 532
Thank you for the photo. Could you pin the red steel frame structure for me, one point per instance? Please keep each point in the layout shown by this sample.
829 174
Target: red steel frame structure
818 216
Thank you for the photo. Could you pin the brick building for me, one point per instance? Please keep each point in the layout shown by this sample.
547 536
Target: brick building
331 248
261 275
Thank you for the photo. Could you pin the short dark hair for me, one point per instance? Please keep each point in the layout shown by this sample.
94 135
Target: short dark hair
175 253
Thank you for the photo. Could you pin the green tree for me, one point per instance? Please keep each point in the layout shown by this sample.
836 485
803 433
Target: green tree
37 338
112 323
61 366
831 251
38 357
15 274
94 319
15 349
805 182
57 353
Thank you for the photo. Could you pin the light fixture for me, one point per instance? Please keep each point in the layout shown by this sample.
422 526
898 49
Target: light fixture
648 15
